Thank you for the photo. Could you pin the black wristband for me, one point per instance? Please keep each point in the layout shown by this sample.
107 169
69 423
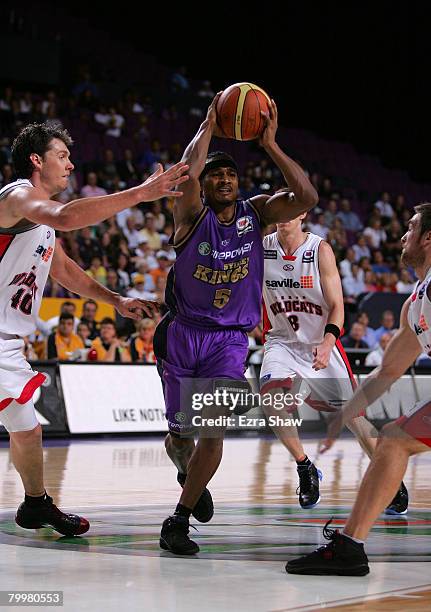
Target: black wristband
330 328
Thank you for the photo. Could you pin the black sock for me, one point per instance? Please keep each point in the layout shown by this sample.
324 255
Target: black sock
304 462
181 478
181 510
34 502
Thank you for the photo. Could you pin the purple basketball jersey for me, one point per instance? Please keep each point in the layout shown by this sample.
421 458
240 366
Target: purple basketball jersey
216 281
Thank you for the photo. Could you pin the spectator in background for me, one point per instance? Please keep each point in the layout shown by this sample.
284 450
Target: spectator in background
89 310
115 123
97 271
406 284
384 207
355 339
91 188
392 246
123 270
179 81
370 281
113 283
108 171
89 247
378 265
330 213
361 248
163 266
142 268
369 334
52 323
138 290
345 266
131 233
108 346
161 289
62 343
127 168
319 228
375 358
141 346
83 331
374 233
6 175
159 217
349 219
353 285
387 326
387 283
149 232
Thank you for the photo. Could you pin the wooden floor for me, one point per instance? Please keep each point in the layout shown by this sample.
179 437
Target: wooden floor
126 487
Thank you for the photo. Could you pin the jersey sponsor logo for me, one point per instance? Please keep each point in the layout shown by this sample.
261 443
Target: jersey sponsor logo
422 326
308 256
204 248
288 283
231 273
289 305
244 225
225 242
288 267
269 254
307 282
245 248
44 253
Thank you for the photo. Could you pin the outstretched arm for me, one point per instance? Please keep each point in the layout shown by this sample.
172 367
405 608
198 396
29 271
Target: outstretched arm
401 352
66 272
187 207
301 197
333 294
24 202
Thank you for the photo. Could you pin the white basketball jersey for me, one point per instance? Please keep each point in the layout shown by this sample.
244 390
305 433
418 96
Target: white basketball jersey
294 306
419 313
25 259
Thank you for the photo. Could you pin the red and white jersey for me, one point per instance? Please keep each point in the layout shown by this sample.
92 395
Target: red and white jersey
419 313
25 259
294 306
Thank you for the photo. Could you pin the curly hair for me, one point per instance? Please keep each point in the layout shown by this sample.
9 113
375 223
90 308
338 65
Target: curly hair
35 138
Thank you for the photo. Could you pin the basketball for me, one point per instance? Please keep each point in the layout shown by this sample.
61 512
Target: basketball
238 111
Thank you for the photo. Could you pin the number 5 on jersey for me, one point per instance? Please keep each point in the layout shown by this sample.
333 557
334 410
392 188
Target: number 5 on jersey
221 297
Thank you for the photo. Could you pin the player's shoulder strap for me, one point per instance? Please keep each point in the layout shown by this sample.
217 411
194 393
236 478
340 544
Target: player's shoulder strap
4 192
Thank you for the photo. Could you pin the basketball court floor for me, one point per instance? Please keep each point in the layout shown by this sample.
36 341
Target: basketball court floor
127 486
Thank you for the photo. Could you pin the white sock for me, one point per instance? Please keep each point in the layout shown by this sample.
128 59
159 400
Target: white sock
354 539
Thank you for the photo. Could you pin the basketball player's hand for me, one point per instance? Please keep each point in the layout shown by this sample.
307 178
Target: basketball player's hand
212 116
322 353
335 427
271 124
160 184
134 308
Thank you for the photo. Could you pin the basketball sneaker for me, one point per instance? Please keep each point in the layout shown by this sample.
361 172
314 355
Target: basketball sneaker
48 515
204 509
400 502
341 557
174 536
308 490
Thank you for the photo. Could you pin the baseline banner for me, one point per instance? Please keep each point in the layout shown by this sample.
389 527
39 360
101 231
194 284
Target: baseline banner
113 398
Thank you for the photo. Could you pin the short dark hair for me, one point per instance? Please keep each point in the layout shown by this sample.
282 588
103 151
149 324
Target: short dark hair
218 159
108 321
35 138
424 210
90 301
67 304
66 316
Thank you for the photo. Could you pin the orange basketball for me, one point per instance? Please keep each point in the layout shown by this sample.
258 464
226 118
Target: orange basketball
238 111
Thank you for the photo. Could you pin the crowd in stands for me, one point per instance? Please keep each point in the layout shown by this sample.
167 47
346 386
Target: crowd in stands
118 146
